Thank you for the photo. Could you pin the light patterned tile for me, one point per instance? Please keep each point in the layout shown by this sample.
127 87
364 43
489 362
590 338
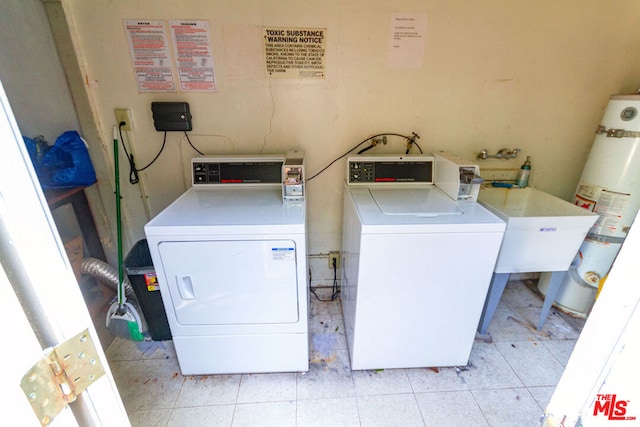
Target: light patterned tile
451 409
149 384
554 327
542 395
327 334
324 323
488 369
203 390
436 379
388 381
267 388
126 381
122 349
532 362
508 407
149 418
325 307
341 412
158 350
270 414
327 379
561 349
517 295
389 410
155 393
210 416
506 326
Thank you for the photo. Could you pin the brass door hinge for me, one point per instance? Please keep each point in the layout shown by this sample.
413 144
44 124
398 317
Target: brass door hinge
64 372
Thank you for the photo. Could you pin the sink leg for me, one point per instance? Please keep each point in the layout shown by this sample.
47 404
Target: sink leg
557 277
498 283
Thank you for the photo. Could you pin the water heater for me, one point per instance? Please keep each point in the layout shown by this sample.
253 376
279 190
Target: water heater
610 187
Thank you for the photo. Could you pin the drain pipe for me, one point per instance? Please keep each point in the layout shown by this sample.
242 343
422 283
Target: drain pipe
108 275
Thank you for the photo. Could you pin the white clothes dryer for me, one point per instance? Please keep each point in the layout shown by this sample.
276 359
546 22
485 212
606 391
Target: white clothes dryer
230 257
417 263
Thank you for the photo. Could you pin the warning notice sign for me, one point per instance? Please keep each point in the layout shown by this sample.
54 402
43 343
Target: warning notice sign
295 53
192 47
149 51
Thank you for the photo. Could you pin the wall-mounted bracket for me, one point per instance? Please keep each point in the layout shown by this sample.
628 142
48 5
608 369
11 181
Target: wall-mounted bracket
171 116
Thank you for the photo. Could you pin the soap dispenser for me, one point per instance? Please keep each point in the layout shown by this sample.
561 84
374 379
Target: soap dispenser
523 175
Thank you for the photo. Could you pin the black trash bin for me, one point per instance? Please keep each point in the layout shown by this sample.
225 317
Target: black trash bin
139 267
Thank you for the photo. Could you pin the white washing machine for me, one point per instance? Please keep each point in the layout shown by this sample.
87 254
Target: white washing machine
417 262
230 257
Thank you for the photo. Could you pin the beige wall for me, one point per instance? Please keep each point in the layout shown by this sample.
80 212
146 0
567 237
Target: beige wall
42 106
535 75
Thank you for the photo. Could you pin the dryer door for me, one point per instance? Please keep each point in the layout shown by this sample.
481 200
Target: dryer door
231 282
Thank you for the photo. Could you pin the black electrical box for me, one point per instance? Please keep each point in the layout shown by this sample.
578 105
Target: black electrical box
171 116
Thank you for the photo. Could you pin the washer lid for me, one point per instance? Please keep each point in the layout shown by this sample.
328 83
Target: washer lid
412 201
473 218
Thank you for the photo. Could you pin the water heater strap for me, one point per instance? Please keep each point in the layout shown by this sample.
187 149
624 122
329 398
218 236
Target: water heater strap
617 133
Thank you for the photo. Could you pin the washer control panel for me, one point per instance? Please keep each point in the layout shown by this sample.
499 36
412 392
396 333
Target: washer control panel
390 169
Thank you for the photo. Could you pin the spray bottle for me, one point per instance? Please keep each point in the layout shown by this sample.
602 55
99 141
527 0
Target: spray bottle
523 175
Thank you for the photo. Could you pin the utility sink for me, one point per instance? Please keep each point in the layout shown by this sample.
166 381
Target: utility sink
543 232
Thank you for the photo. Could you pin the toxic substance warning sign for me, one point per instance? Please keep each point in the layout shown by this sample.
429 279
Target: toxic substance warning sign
295 53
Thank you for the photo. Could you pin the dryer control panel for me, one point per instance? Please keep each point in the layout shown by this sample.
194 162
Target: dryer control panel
390 169
208 171
285 171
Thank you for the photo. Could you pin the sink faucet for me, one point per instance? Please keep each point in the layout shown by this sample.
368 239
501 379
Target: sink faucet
504 153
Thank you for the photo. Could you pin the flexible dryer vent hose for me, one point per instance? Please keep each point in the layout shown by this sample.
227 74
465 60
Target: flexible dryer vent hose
108 275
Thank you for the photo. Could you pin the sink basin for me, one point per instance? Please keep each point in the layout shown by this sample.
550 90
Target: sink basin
543 231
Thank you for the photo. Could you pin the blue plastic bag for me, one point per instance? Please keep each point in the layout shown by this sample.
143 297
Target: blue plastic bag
68 162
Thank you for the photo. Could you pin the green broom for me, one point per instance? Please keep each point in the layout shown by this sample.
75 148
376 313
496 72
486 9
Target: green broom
122 318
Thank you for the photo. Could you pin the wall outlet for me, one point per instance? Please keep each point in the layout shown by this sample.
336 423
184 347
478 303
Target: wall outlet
334 255
124 115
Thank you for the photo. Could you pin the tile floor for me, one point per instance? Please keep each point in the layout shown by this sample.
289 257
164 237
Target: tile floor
508 381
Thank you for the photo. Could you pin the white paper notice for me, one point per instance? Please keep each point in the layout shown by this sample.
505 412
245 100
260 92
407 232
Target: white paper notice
192 47
408 39
150 54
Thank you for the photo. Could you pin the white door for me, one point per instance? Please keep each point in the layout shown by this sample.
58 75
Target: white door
600 383
232 282
35 267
